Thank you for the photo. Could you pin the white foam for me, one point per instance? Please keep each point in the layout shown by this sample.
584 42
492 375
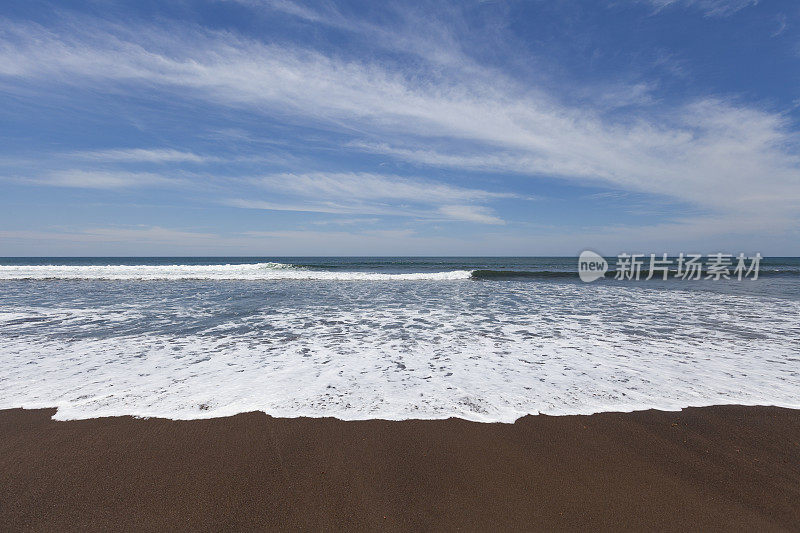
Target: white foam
531 348
252 271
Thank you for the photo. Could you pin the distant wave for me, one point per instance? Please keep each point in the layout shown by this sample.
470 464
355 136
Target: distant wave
253 271
287 271
519 274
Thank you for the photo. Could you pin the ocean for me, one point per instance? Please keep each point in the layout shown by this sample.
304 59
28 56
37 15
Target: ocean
484 339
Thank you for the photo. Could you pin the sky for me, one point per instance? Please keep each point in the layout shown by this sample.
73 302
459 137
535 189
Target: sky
284 128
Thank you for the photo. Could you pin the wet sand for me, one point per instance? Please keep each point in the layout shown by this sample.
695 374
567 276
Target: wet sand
701 468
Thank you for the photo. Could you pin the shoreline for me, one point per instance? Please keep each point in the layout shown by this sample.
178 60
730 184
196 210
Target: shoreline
714 467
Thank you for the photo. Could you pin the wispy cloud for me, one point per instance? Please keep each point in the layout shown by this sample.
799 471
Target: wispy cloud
359 221
782 23
309 207
158 240
374 194
711 8
697 233
711 152
101 179
419 99
109 235
368 186
143 155
470 213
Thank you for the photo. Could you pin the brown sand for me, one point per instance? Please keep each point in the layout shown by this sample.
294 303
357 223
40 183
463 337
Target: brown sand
704 468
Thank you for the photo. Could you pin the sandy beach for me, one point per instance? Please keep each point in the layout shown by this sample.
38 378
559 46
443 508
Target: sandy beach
707 468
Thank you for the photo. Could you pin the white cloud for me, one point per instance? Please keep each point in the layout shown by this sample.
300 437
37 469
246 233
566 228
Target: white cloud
150 234
470 213
144 155
368 186
309 207
157 240
782 23
714 152
102 179
424 34
696 235
711 8
373 194
109 235
359 221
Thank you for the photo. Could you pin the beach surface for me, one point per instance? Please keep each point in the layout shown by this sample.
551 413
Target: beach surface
712 468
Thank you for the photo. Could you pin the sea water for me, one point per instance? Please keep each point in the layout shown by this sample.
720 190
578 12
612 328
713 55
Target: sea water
485 339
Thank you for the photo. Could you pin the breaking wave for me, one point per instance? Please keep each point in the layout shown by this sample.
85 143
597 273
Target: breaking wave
251 271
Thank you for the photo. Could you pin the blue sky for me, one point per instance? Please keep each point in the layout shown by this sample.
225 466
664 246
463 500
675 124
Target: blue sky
278 127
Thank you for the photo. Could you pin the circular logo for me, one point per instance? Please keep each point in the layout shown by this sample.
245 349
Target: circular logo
591 266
